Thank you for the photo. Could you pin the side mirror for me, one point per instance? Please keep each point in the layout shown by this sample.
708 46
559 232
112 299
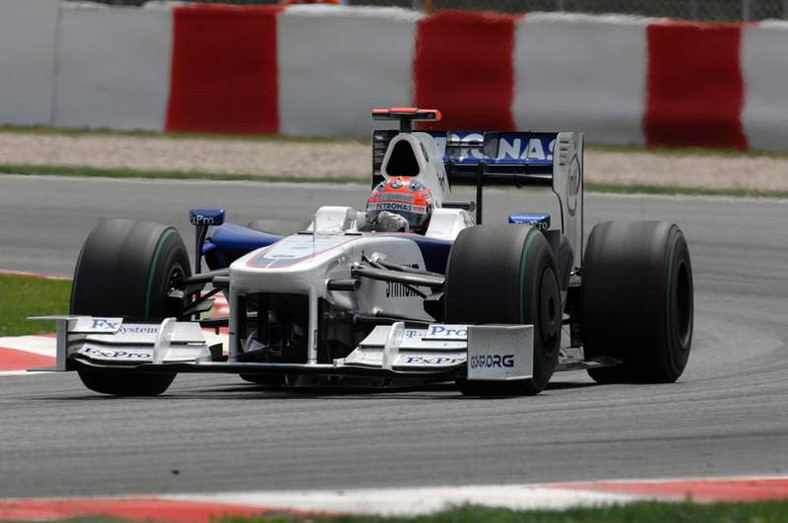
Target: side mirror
206 217
202 219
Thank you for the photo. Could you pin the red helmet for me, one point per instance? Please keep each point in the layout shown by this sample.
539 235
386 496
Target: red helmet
405 196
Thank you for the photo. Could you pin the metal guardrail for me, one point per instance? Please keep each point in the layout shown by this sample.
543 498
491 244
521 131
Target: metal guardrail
703 10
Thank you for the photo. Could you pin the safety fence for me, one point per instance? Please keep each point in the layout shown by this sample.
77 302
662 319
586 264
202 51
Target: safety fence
318 71
699 10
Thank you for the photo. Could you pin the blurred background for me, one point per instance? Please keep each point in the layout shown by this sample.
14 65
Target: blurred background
702 10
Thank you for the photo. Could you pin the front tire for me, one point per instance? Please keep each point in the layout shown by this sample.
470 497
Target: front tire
506 274
127 269
638 301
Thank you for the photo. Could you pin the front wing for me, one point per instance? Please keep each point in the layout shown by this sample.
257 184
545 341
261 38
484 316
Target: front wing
432 352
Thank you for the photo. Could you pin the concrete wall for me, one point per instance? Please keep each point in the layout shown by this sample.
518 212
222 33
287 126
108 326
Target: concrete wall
28 33
355 59
113 67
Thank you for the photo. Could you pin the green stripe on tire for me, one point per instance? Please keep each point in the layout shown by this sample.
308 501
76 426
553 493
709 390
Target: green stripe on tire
152 271
671 289
523 262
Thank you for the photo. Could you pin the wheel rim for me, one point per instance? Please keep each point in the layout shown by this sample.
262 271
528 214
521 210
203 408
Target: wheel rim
175 279
549 308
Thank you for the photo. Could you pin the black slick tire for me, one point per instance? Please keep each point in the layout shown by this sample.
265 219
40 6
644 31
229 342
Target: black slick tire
638 301
127 269
506 274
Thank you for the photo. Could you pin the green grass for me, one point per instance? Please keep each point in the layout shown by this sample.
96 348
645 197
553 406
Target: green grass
692 191
647 512
58 170
23 296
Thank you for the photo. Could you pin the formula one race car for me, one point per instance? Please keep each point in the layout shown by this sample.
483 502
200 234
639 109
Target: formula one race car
413 290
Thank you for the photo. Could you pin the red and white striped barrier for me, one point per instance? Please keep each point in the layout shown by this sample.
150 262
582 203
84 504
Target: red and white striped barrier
315 70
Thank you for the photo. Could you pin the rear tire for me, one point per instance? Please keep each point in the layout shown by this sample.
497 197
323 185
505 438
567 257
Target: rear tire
506 274
127 269
638 301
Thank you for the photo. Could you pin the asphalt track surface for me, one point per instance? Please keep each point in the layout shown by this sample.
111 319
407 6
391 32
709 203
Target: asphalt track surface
728 414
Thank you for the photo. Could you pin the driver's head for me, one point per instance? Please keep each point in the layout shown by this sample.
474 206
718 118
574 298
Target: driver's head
404 196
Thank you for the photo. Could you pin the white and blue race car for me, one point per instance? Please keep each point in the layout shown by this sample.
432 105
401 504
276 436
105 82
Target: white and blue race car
495 308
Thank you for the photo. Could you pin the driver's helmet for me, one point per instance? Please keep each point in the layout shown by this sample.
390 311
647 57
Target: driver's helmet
405 196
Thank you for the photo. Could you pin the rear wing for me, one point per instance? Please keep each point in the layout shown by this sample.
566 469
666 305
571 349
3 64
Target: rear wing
510 158
517 159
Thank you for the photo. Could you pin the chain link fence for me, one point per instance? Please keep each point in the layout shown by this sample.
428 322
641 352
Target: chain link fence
703 10
712 10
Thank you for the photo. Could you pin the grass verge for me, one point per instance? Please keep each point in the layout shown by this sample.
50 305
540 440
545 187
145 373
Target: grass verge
638 512
690 191
646 512
56 170
23 296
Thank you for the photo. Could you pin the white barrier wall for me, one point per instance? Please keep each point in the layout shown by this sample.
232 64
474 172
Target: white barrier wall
621 80
27 60
581 72
765 69
113 67
337 64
